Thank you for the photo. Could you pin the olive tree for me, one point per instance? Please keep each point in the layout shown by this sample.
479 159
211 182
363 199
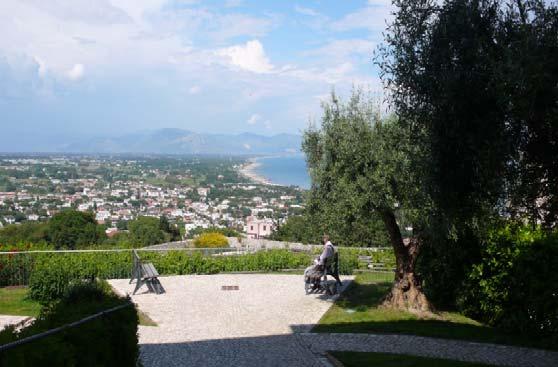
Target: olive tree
361 166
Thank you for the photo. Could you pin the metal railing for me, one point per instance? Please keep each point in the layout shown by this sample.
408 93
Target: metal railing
59 329
16 267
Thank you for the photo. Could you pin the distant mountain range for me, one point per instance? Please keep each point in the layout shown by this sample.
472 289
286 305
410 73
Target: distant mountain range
177 141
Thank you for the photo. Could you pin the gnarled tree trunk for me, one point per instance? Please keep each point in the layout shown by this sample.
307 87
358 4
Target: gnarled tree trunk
407 291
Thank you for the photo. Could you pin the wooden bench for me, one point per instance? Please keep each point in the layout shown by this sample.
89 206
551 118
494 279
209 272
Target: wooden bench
364 260
145 273
367 262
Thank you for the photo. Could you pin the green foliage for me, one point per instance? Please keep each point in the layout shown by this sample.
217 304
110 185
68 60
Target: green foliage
53 274
515 283
172 232
211 240
297 229
361 167
227 232
444 264
74 229
146 231
359 310
27 232
15 301
476 82
110 340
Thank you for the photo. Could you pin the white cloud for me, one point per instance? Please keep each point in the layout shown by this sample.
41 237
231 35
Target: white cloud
267 124
194 89
247 146
250 57
42 71
372 17
306 11
253 119
76 72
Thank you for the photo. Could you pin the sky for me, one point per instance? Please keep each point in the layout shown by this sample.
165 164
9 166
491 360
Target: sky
109 67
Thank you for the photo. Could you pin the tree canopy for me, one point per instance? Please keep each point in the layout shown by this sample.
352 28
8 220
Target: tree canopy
478 79
73 229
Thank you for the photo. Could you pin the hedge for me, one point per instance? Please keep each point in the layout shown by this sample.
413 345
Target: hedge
211 240
110 340
50 274
515 286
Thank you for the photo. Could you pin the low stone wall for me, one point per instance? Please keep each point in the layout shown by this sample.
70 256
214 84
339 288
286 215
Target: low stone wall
171 245
261 244
249 244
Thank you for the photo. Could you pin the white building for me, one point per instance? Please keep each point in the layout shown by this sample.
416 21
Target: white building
102 215
258 228
203 191
84 207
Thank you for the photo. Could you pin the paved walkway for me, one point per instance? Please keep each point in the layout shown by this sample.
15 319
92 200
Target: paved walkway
6 320
266 322
499 355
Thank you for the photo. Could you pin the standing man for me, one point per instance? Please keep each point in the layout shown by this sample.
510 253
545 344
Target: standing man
329 253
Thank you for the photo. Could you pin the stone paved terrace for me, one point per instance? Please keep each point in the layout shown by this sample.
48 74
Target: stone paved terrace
6 320
267 322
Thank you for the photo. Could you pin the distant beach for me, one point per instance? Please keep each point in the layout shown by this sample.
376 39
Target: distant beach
248 170
277 170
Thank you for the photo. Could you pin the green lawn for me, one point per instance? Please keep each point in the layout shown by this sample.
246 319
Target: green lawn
358 359
145 320
357 311
13 301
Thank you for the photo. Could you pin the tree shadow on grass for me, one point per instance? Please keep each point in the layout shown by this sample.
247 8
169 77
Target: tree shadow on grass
358 311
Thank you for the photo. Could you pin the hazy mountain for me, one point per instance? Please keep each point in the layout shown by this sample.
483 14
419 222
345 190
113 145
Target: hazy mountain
177 141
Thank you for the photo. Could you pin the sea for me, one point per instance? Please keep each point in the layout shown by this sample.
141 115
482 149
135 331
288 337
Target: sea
285 170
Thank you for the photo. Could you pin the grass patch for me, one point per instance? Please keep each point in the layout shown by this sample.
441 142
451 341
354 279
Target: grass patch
145 320
357 311
14 301
359 359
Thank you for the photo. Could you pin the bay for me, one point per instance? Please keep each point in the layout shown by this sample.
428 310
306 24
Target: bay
284 170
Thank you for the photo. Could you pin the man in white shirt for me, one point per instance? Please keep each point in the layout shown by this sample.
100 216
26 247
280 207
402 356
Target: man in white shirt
327 252
312 274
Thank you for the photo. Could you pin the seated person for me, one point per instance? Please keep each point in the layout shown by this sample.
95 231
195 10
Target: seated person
313 273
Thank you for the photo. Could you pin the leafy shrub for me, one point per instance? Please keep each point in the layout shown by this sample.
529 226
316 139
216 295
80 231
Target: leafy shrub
515 286
227 232
211 240
53 273
110 340
146 231
74 229
445 263
27 232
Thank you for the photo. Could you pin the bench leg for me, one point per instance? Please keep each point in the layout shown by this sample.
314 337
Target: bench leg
158 286
139 283
149 283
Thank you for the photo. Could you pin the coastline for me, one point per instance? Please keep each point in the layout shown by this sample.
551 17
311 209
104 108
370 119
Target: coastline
248 170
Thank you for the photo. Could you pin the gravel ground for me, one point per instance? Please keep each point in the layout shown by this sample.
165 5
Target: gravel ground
267 322
6 320
195 308
201 325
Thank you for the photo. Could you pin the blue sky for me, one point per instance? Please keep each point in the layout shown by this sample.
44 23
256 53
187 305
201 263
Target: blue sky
106 67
